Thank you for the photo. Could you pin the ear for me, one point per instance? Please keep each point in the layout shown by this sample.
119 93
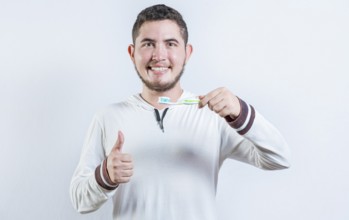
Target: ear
188 52
131 52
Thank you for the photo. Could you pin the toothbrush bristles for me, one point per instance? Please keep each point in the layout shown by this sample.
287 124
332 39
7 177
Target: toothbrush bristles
164 100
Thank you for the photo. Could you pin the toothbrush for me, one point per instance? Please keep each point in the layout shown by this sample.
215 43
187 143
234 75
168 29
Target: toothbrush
187 101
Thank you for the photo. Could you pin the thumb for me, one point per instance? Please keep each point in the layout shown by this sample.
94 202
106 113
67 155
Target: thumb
201 97
119 142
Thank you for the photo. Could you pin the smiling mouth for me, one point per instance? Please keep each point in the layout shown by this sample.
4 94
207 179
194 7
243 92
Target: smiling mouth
158 69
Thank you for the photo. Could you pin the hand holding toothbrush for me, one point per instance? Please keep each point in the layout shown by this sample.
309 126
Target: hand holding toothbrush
222 101
119 165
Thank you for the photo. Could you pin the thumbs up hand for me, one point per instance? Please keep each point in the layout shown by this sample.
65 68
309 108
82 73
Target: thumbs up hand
119 165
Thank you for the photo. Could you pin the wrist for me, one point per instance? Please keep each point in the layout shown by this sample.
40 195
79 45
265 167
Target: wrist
103 178
243 122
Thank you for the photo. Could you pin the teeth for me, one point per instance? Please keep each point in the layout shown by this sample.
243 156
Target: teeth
159 68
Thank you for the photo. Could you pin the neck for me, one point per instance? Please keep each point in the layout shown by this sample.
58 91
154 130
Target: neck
152 97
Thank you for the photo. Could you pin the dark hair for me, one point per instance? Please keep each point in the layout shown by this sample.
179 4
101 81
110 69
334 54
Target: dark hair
158 13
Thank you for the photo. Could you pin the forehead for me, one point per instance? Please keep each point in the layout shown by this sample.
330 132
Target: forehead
158 30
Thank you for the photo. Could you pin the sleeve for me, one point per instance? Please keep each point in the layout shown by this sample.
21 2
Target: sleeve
90 186
260 143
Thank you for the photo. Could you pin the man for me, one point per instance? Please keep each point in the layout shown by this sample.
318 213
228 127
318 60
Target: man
159 161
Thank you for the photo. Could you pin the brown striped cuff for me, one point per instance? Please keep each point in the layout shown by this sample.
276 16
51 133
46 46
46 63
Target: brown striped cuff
102 177
244 121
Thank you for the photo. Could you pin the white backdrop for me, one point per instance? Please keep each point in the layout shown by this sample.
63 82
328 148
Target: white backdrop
60 61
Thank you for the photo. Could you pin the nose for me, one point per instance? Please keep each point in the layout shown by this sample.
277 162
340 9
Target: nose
159 53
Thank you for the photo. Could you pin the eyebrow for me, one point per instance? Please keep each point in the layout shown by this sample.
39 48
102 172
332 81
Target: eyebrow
147 40
172 40
167 40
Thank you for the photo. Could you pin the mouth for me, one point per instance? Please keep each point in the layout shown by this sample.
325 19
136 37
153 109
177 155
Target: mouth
159 69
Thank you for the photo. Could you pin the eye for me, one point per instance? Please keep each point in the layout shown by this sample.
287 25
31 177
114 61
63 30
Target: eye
148 44
172 44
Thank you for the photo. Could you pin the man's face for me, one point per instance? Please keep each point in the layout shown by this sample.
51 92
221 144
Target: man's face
159 54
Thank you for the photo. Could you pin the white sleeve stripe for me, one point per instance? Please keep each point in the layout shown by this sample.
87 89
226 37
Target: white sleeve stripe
103 179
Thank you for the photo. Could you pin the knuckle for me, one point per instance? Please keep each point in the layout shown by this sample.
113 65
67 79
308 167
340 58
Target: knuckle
129 157
216 109
222 89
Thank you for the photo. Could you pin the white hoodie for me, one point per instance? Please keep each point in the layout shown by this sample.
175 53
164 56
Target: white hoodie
176 159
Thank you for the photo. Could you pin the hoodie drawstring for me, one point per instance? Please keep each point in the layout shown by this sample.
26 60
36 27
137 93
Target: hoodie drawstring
160 119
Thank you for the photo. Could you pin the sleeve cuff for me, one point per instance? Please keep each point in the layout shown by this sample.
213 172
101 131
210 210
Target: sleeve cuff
102 177
244 121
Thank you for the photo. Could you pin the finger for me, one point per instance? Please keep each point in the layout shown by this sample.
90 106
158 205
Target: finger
205 99
224 112
123 176
122 168
126 158
217 105
122 179
200 103
126 173
128 166
119 142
